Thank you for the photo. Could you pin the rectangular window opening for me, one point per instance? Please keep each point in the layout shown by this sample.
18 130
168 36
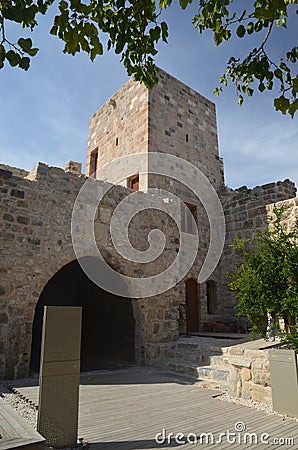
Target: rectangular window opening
93 161
133 182
188 218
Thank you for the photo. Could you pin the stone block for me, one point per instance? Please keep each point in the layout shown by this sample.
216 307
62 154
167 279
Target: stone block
262 394
241 362
247 387
246 374
261 376
235 350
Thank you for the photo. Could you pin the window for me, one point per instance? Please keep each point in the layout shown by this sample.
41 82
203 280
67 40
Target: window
133 182
117 141
93 161
211 296
188 217
186 137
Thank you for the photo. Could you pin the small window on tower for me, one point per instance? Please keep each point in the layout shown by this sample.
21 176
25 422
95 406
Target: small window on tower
117 141
186 137
93 161
133 182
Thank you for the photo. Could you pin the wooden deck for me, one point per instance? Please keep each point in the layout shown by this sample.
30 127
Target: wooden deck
126 409
15 433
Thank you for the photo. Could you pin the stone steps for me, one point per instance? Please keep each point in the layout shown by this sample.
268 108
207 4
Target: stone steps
206 363
218 374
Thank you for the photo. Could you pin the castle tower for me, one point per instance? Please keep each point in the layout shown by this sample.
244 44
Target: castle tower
170 118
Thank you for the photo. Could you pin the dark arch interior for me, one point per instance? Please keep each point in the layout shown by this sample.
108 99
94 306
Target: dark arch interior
108 326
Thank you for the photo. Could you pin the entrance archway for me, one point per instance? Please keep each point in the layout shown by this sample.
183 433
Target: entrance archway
192 305
108 325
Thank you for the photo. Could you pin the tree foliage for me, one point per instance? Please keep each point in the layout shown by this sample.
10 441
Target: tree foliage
267 279
134 27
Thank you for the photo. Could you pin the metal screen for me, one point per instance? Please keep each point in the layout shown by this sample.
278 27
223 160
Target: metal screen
60 375
283 371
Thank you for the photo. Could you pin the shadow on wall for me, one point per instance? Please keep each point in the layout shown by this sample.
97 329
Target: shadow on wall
108 326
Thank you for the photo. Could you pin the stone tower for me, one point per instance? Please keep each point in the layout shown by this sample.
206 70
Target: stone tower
170 118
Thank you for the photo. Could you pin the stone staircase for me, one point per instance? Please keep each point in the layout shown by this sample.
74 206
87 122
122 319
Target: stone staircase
202 359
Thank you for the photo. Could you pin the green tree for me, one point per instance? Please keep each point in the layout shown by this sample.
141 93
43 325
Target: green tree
134 27
267 279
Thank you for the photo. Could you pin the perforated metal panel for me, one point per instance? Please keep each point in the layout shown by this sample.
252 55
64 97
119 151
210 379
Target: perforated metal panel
60 375
284 381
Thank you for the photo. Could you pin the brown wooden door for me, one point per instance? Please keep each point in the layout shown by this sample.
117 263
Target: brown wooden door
192 305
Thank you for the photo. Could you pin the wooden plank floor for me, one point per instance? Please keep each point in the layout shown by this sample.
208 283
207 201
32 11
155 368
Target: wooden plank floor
127 409
15 432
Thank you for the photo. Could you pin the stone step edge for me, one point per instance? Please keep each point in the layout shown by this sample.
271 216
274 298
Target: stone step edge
195 368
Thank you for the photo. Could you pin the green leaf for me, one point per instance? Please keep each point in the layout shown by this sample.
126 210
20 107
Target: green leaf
25 44
2 51
184 3
13 58
278 74
32 51
283 66
63 5
293 108
281 104
250 27
240 31
259 26
24 63
240 100
164 31
261 87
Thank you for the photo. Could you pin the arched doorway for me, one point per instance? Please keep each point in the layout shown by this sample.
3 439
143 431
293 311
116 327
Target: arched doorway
192 305
108 325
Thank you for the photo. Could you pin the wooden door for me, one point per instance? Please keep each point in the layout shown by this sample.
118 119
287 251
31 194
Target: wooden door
192 305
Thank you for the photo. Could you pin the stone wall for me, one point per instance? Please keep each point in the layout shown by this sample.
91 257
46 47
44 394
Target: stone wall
290 214
246 212
250 373
120 127
182 122
35 223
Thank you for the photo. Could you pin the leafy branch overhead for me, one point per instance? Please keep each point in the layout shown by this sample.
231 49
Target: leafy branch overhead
133 29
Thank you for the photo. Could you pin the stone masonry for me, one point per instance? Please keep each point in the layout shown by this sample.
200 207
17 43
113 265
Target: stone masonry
173 119
36 242
36 209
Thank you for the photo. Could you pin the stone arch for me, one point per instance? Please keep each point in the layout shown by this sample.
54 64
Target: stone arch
108 331
45 276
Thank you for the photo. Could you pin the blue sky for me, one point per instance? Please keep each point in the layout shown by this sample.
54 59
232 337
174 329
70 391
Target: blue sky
45 112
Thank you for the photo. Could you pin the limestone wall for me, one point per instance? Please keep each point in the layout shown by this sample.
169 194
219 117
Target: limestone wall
182 122
35 234
245 213
250 373
290 214
120 126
